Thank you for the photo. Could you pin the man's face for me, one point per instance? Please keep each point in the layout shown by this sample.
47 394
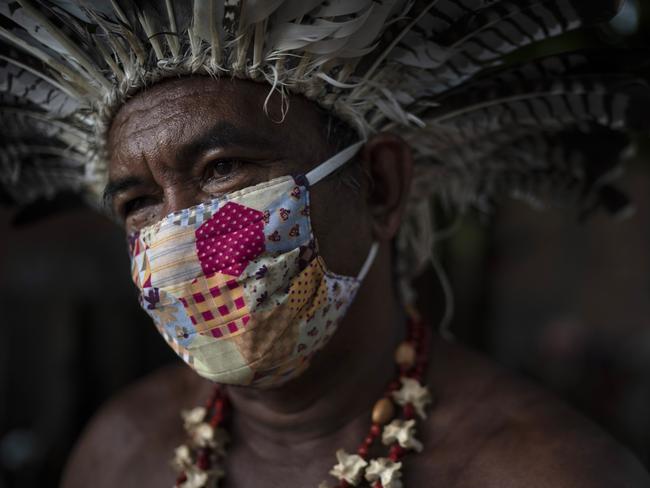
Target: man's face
189 140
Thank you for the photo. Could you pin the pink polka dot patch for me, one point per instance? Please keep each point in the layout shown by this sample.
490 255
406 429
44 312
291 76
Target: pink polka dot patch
230 239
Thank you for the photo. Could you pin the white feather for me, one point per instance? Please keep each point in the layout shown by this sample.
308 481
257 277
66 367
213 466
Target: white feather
254 11
289 36
153 33
334 8
63 87
72 76
294 9
172 39
70 47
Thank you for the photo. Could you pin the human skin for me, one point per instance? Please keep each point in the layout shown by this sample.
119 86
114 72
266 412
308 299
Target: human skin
486 429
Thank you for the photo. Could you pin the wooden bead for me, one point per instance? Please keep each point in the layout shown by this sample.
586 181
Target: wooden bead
405 355
383 411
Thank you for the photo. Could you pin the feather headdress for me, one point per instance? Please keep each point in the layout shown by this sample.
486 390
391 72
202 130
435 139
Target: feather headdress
431 70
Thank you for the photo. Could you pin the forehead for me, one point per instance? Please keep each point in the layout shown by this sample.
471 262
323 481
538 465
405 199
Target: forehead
172 112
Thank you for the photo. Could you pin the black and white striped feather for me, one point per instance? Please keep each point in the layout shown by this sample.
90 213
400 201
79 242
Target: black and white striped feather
432 70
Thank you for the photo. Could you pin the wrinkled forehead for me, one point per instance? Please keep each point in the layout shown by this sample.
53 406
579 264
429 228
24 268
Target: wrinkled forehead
172 112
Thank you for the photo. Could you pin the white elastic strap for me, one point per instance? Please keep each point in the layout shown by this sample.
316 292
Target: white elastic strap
333 163
369 260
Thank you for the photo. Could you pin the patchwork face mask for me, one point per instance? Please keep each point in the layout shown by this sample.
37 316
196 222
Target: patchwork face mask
236 286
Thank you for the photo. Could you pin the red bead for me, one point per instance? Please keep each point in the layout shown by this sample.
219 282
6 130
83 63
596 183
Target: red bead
396 452
369 440
216 393
217 419
394 385
375 430
363 451
203 460
343 484
219 405
378 485
409 411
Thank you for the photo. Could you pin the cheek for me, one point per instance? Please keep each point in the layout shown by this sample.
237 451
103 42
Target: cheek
341 225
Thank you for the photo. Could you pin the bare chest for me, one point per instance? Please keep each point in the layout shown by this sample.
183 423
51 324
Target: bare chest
433 467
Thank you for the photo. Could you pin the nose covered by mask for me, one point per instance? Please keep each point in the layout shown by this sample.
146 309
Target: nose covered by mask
236 285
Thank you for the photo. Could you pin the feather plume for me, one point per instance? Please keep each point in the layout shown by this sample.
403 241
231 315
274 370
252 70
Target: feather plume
432 70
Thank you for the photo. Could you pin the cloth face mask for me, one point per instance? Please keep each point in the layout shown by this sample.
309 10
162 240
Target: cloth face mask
236 286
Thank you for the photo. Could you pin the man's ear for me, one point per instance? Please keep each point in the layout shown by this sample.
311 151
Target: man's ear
388 161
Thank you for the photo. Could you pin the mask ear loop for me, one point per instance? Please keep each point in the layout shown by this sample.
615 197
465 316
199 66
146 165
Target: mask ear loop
332 164
369 260
327 168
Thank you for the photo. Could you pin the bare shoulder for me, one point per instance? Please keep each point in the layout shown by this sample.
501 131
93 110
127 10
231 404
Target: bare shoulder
130 440
492 429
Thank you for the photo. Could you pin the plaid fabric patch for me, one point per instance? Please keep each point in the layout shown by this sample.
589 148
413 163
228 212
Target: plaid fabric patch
197 215
141 271
216 306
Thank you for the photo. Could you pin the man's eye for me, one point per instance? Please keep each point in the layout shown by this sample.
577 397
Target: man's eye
221 169
135 205
218 173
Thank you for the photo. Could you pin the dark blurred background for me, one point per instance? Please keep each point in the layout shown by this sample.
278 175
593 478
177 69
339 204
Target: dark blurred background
564 302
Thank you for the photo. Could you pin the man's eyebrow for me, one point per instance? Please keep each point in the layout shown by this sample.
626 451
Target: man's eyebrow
221 135
117 186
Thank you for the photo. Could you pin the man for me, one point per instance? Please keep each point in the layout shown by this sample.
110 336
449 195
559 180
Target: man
186 153
487 428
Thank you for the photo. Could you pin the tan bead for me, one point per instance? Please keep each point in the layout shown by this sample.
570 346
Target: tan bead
383 411
405 355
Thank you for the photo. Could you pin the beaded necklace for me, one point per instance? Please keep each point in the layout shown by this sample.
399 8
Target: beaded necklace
199 462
